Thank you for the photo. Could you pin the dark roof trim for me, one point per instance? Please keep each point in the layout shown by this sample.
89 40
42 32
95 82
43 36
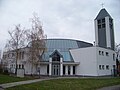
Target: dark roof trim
56 51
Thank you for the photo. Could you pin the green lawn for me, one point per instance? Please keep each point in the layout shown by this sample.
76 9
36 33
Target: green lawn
70 84
7 79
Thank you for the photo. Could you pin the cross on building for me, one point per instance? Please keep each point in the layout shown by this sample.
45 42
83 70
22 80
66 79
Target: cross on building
102 5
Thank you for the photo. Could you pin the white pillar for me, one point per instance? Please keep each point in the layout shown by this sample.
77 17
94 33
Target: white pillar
66 70
61 66
108 38
96 33
50 66
71 70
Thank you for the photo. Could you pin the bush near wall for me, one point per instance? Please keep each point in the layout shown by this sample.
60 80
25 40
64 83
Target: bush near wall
3 71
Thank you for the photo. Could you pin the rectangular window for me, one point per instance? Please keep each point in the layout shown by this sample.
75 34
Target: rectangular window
113 57
103 20
48 69
68 70
19 66
107 67
103 67
102 53
100 67
22 66
99 26
99 21
111 26
63 70
110 20
74 70
107 54
103 25
99 52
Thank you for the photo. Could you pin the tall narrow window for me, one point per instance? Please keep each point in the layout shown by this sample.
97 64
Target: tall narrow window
68 70
63 70
19 66
22 66
103 67
102 53
100 67
111 26
110 20
47 69
74 70
113 57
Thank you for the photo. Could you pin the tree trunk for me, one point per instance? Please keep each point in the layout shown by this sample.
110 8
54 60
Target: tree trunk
16 62
31 69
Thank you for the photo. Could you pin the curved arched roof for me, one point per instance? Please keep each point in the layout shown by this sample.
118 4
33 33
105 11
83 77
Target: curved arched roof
63 46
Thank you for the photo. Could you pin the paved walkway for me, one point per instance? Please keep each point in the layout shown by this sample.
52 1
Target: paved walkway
116 87
7 85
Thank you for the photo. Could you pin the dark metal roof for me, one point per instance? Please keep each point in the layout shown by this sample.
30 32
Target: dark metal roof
82 44
102 14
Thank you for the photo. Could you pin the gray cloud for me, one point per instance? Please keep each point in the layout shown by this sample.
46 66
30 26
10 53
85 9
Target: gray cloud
61 18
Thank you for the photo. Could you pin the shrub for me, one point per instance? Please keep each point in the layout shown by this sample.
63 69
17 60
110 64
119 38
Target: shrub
1 70
6 72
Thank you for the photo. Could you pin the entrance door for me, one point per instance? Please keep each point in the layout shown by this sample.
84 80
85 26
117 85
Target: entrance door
55 69
56 63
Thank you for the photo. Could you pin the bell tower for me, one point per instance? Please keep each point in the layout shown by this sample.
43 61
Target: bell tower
104 30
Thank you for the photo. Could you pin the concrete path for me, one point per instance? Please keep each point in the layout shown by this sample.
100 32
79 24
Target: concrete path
1 88
7 85
116 87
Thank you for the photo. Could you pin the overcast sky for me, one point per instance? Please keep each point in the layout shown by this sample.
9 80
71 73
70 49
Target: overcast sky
71 19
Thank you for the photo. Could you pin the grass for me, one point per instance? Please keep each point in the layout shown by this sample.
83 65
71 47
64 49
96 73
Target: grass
69 84
8 79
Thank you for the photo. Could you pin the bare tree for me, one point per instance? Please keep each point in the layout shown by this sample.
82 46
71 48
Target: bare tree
37 41
16 41
117 50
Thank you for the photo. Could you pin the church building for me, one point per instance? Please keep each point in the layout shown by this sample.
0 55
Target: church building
67 57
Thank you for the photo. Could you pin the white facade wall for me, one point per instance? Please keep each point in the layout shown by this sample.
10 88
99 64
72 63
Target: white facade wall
90 60
43 69
87 59
105 60
29 70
